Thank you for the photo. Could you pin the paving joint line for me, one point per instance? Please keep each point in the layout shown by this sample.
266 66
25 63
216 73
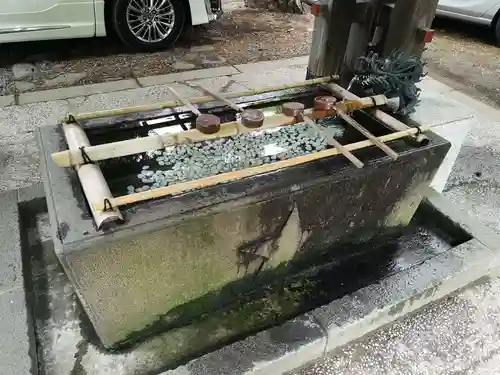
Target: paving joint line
136 79
234 66
5 291
63 93
16 95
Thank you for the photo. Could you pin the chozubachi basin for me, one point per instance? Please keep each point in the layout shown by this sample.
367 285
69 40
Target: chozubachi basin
239 255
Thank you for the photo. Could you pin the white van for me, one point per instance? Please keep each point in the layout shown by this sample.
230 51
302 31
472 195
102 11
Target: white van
140 24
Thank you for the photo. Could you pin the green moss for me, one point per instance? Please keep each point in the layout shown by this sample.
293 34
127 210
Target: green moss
234 309
223 327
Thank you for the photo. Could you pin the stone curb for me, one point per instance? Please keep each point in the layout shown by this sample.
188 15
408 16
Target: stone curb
127 84
273 64
188 75
72 92
18 348
359 313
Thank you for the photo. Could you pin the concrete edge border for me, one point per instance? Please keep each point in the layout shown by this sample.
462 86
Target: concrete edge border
309 336
127 84
357 314
18 348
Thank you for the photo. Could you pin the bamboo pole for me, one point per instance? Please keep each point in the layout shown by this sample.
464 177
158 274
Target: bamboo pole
351 105
221 98
333 142
93 183
248 172
191 107
105 151
356 125
71 117
390 121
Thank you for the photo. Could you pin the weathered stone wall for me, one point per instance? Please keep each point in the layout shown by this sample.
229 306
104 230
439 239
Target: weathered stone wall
166 278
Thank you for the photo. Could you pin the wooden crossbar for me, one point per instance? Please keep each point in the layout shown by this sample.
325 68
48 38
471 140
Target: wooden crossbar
333 142
221 98
356 125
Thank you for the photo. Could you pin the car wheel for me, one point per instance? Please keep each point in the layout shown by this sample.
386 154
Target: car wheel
496 30
149 25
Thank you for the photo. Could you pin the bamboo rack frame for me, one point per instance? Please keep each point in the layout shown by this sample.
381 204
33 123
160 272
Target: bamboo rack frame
91 178
248 172
134 146
72 117
105 151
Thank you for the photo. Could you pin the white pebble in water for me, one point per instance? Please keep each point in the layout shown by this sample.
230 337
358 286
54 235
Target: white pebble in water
193 161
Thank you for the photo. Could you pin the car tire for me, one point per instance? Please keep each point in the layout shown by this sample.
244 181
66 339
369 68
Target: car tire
496 30
127 25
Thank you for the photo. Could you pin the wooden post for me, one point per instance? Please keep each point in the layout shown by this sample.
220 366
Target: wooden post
359 38
408 19
330 36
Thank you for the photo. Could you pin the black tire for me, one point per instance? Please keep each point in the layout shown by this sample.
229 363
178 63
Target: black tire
495 27
119 21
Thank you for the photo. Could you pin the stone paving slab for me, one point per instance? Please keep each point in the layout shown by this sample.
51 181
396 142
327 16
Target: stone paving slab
263 66
10 243
17 344
272 77
7 100
189 75
273 351
71 92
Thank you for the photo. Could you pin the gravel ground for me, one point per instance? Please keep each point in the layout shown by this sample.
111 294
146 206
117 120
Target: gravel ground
463 55
241 36
466 58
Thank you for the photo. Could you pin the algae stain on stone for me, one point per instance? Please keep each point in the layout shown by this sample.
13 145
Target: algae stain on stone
405 208
221 327
289 241
78 369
